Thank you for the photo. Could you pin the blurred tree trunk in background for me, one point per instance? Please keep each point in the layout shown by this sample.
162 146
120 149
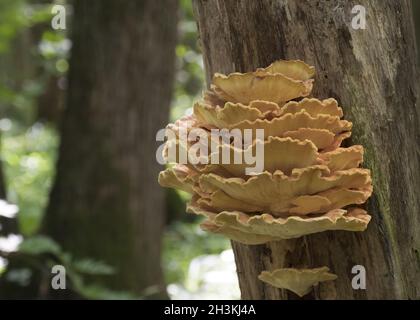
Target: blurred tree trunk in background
106 203
372 73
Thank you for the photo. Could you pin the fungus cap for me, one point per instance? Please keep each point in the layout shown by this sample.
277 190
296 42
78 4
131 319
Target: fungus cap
299 281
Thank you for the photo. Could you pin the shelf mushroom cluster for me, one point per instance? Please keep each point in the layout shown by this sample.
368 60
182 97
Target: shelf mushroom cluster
310 183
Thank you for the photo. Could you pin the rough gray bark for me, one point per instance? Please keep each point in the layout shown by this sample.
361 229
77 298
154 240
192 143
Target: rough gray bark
372 74
416 16
106 203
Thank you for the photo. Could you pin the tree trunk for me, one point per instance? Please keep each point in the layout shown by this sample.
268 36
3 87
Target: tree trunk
372 74
416 17
106 203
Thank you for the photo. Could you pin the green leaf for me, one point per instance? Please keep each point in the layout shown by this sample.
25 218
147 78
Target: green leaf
96 291
92 267
39 245
100 292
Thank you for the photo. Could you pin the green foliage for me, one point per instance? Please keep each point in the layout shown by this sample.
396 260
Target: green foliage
93 267
29 148
98 292
183 242
44 252
16 15
93 290
11 21
29 162
189 75
39 245
28 57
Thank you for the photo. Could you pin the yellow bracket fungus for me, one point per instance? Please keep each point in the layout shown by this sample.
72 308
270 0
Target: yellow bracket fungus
300 281
310 183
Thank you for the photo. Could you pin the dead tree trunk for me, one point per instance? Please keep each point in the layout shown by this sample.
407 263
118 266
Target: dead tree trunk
106 203
371 72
